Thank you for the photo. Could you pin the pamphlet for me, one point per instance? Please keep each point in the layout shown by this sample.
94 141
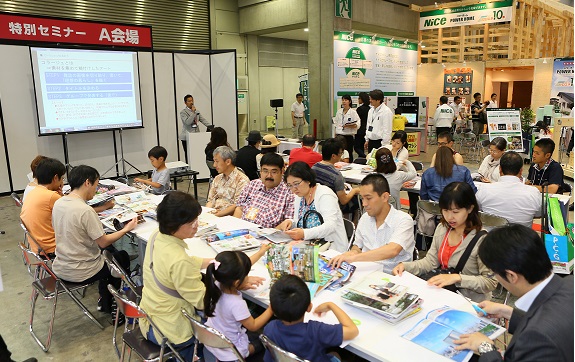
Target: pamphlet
274 235
444 325
130 198
237 243
300 260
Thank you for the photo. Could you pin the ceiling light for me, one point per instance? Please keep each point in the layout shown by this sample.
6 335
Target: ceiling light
405 42
544 60
443 65
422 46
306 29
464 63
373 37
391 40
436 5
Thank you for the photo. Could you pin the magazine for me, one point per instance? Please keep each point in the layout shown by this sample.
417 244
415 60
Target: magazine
444 325
376 293
237 243
299 259
99 199
274 235
130 198
223 234
109 212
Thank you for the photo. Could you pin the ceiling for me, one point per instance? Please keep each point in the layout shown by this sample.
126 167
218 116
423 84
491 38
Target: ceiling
296 34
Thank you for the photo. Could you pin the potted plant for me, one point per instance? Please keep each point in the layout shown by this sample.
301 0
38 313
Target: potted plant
527 117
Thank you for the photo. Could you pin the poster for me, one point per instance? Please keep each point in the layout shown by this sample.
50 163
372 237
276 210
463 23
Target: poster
363 63
482 13
506 123
457 81
304 90
562 86
413 141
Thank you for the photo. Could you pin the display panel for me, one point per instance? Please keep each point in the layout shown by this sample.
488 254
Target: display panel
411 119
86 90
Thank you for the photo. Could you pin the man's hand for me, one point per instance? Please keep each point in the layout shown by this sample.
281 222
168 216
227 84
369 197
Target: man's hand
284 225
471 341
485 180
366 145
131 225
294 123
443 280
347 257
496 310
296 234
398 270
251 282
193 108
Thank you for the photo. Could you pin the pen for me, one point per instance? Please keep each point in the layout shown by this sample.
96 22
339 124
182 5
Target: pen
475 306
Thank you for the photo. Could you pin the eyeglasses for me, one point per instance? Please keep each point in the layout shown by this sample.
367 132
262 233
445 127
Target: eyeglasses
494 151
294 185
273 172
443 143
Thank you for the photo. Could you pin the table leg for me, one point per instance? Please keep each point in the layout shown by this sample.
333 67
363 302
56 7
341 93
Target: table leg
195 186
175 179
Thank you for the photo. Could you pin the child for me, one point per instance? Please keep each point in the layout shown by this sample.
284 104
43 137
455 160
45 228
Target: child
345 155
290 300
160 180
225 308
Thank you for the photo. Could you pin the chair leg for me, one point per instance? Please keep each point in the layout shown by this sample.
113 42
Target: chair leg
33 299
84 309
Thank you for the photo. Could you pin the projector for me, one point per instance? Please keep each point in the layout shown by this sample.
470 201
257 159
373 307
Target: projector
177 167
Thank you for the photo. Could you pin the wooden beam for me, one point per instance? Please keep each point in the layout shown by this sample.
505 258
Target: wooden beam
510 54
485 41
440 45
462 43
521 24
538 33
504 63
530 15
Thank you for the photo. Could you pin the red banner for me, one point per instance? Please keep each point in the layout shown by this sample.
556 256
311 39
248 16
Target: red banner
37 29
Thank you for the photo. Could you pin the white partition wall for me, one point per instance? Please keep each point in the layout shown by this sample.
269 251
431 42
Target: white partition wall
175 76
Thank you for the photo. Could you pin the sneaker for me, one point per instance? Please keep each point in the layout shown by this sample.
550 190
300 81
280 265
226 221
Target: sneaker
99 304
121 317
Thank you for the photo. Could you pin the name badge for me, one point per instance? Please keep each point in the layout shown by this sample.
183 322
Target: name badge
370 128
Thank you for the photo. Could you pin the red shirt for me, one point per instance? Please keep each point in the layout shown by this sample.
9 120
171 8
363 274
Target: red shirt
446 250
304 154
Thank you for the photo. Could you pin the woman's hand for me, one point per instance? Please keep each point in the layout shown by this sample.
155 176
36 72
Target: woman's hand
296 234
284 225
251 282
485 180
442 280
398 270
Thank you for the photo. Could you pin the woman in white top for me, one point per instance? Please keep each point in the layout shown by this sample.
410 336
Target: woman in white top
398 148
493 101
395 178
489 169
312 199
347 122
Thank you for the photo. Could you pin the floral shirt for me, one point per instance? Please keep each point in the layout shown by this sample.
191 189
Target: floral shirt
225 190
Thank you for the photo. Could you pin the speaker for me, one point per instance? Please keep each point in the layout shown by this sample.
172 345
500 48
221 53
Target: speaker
276 103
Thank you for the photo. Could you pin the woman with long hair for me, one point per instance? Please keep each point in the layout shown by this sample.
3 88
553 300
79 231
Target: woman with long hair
395 177
218 137
444 172
460 223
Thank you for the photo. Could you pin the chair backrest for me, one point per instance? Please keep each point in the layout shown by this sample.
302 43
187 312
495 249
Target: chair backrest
211 337
418 165
429 206
491 221
278 354
30 239
391 200
360 161
17 199
126 306
33 259
349 231
118 272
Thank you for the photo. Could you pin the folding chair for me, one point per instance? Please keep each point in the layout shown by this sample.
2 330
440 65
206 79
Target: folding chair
210 337
29 240
427 212
50 287
360 161
491 221
278 354
17 199
146 350
350 231
417 165
118 272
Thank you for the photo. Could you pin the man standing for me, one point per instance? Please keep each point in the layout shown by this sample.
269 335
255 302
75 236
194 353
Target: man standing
298 116
362 111
478 117
383 233
443 116
544 169
379 122
37 210
81 237
458 112
266 201
227 186
246 156
542 321
509 197
306 152
190 117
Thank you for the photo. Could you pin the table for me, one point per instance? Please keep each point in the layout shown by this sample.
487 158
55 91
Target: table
189 173
286 145
355 176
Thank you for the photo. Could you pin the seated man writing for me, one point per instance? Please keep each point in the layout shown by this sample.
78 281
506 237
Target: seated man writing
266 201
383 233
544 169
80 237
306 152
228 184
37 211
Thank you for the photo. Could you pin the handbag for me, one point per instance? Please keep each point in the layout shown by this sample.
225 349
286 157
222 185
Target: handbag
460 264
426 222
319 241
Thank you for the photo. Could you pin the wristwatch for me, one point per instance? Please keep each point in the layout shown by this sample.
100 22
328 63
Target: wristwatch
486 347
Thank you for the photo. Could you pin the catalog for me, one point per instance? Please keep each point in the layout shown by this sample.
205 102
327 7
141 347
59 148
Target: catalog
237 243
300 260
444 325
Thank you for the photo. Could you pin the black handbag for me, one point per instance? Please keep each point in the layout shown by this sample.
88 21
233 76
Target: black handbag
460 264
319 241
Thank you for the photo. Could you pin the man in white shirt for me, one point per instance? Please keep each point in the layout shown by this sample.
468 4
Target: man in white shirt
383 233
493 101
443 116
458 111
510 197
379 122
298 116
542 320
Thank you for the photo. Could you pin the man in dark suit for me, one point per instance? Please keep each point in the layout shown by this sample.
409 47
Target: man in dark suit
246 156
542 320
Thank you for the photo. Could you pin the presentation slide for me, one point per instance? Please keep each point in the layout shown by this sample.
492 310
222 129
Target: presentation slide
411 119
86 90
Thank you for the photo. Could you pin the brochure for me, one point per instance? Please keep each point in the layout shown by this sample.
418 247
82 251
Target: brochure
299 259
274 235
130 198
237 243
444 325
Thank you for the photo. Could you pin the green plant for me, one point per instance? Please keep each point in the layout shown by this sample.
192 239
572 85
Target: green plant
527 117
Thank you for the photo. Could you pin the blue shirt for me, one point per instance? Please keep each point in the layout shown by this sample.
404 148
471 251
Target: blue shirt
432 184
306 340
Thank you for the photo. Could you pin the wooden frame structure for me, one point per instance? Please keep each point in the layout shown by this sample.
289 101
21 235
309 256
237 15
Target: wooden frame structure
539 29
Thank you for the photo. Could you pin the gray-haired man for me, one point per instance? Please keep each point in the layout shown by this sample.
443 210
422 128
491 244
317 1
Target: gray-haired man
228 184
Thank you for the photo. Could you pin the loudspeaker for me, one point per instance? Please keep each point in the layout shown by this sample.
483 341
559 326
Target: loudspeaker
276 103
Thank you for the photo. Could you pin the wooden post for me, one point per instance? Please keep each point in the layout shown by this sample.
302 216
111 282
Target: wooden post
485 41
462 43
440 45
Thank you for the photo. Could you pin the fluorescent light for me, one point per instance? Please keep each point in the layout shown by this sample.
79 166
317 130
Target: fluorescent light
306 29
544 60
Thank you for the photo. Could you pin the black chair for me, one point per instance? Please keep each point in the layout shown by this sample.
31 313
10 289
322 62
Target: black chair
417 165
360 161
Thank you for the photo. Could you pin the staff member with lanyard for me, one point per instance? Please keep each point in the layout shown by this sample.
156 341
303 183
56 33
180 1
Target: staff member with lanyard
347 122
379 121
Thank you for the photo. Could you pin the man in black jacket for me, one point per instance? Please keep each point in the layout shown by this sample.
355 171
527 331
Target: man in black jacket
362 112
542 320
246 156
